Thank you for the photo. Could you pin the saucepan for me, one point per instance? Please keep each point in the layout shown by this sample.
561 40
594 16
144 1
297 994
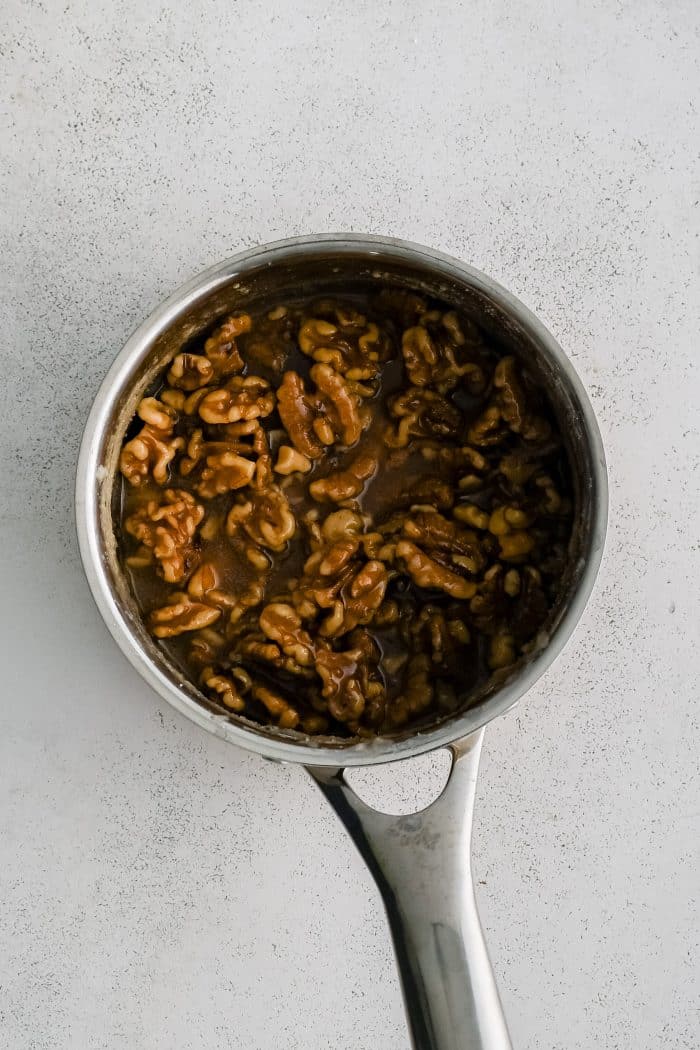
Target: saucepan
420 861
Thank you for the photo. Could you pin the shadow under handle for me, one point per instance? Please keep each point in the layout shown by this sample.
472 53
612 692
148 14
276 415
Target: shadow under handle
422 866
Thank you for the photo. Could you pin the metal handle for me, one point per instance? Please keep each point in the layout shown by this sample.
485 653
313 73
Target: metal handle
422 866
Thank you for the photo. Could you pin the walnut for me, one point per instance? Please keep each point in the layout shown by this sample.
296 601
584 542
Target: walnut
190 372
359 598
284 714
153 449
341 403
349 683
229 688
250 597
441 635
316 420
290 461
272 339
345 484
224 466
243 398
430 353
416 692
348 343
508 409
432 492
181 614
282 624
501 651
220 348
421 413
168 529
427 572
297 411
445 539
265 517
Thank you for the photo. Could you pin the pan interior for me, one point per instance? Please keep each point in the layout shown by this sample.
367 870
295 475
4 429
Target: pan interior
324 270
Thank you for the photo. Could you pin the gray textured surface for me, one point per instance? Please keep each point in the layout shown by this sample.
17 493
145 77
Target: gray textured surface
158 889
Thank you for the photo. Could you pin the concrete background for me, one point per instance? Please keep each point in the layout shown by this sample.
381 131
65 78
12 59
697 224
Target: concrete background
160 890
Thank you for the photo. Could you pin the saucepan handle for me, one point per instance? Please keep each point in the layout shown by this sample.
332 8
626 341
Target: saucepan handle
422 866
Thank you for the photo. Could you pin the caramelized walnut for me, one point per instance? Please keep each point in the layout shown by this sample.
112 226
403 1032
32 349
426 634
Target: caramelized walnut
168 529
221 349
349 683
181 614
345 484
265 517
430 355
243 398
421 413
508 409
346 342
229 688
190 372
151 452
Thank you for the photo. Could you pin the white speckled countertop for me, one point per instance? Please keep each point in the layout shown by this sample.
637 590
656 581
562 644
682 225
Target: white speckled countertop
160 890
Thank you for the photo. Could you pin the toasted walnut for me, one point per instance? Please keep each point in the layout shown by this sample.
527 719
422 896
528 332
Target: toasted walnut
290 461
421 413
243 398
220 348
282 624
265 517
181 614
168 530
151 452
190 372
345 484
228 688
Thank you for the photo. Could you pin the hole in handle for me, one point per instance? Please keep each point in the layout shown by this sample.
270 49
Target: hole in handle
402 787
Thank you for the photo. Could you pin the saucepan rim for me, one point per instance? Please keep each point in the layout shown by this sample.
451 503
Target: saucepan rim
267 743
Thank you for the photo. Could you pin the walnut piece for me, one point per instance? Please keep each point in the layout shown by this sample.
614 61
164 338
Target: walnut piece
345 484
314 420
190 372
220 348
151 452
430 355
168 529
421 412
243 398
265 517
181 614
346 342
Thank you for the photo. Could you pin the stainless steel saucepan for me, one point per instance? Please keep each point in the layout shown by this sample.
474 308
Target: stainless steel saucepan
421 862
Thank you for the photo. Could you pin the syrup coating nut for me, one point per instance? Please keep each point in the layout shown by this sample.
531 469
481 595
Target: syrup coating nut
180 615
151 452
168 529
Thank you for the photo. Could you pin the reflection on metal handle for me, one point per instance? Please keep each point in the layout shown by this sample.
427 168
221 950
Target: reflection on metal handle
421 864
